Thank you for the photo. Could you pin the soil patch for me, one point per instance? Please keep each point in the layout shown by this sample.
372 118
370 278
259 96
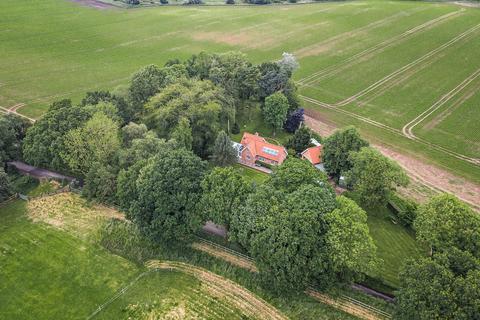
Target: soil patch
428 179
94 4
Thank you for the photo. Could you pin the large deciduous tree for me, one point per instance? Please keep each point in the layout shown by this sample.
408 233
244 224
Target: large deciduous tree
224 154
12 131
182 134
95 143
168 193
300 140
374 176
272 78
337 148
224 191
44 143
446 222
275 110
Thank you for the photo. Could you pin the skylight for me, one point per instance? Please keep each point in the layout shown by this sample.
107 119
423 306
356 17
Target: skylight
270 151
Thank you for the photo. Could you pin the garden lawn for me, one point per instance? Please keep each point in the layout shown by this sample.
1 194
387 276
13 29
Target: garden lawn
252 175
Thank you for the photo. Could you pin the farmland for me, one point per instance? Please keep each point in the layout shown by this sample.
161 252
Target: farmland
406 73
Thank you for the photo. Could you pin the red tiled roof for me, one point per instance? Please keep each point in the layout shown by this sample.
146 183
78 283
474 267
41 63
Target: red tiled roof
313 154
258 146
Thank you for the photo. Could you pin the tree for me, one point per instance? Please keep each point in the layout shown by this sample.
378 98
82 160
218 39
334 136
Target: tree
224 153
125 110
275 110
445 222
374 176
145 83
224 190
337 148
286 250
100 184
203 104
126 189
44 143
294 120
143 148
294 173
12 131
168 193
300 140
351 250
133 131
182 134
272 78
288 63
93 144
443 287
5 186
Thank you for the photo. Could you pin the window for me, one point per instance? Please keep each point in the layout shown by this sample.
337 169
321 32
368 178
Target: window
270 151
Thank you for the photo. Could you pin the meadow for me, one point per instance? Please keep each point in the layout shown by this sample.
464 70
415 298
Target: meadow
53 267
407 73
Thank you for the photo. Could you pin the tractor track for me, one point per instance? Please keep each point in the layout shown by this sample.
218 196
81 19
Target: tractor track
361 56
408 66
408 128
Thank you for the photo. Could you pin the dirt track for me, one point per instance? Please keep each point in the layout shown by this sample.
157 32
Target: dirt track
430 176
226 289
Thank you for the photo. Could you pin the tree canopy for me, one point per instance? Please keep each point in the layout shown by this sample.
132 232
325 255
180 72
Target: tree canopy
169 190
337 148
374 176
224 153
12 131
275 110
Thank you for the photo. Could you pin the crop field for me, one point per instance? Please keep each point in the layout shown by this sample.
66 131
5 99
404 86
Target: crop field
406 73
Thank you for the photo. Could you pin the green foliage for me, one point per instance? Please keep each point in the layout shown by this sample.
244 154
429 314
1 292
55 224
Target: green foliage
133 131
405 209
44 143
182 134
445 222
12 132
275 110
224 190
202 103
148 81
373 176
300 140
142 149
168 192
337 148
100 184
124 110
127 186
351 250
443 287
273 78
6 188
294 172
95 143
224 154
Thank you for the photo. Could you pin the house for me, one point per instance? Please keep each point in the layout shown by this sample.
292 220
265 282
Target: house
314 156
253 148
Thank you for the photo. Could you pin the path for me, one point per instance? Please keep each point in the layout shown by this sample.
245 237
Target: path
344 303
221 287
14 109
38 173
434 178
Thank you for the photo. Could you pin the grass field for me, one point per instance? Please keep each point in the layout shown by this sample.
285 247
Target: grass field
407 71
53 269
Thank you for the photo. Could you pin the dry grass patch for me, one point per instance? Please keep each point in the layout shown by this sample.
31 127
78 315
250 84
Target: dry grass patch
71 213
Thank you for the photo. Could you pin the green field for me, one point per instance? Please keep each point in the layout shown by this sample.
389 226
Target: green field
408 68
54 269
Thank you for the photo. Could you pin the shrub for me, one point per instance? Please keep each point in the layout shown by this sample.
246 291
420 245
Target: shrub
405 210
230 2
164 1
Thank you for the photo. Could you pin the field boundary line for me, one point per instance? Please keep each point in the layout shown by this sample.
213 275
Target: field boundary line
407 129
338 67
457 155
407 67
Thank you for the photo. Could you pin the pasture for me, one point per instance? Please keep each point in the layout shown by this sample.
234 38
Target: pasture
407 73
52 267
